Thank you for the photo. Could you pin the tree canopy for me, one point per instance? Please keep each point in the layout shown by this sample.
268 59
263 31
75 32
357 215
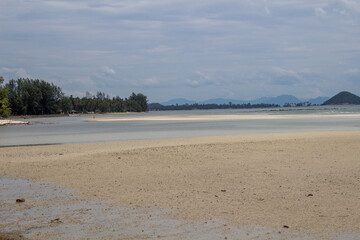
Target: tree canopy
33 97
4 102
36 97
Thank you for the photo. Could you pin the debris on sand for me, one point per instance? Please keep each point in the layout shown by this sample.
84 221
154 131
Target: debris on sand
4 122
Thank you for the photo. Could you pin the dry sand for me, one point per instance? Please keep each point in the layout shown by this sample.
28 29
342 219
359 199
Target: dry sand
307 181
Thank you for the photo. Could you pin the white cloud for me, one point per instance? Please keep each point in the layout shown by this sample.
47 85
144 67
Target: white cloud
202 75
80 84
151 81
352 71
281 76
320 12
193 83
282 71
267 10
95 52
352 4
15 72
160 49
205 44
72 5
108 70
297 49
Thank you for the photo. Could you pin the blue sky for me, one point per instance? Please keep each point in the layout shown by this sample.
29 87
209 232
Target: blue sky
202 49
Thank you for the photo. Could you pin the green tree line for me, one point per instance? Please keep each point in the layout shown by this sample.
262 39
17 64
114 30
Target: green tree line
4 101
160 107
102 103
36 97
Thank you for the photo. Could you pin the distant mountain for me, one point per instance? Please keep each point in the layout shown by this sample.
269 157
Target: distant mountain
316 101
223 101
179 101
280 100
343 98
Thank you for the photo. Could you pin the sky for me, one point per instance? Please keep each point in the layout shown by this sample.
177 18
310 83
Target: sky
203 49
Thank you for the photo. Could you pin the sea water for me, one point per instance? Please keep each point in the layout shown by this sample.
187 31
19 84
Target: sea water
80 129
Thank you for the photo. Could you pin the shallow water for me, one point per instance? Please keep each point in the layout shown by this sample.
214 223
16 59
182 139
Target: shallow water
65 130
53 212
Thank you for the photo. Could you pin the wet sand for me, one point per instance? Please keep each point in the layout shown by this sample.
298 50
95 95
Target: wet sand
308 182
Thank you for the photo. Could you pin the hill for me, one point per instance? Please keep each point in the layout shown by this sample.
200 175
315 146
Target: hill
178 101
316 101
343 98
222 101
280 100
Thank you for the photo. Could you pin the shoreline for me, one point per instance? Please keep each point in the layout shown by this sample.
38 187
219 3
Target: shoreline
225 117
308 181
67 115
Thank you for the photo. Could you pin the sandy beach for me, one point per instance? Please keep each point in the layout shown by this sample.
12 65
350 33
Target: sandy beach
306 181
